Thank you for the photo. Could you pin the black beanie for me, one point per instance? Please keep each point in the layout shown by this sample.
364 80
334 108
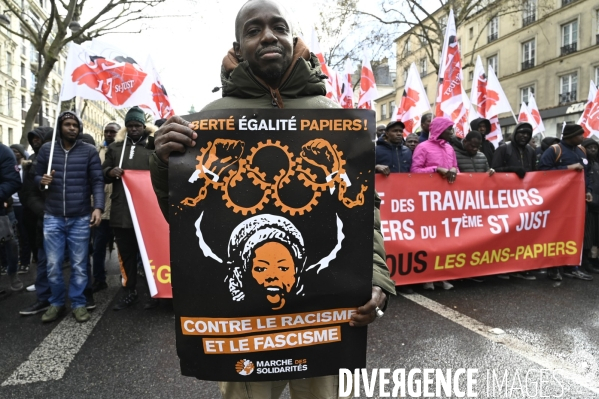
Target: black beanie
135 114
572 130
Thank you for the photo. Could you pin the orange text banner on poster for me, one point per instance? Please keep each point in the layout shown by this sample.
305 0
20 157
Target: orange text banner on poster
151 230
480 225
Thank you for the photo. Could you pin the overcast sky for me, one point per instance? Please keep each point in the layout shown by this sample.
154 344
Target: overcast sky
188 50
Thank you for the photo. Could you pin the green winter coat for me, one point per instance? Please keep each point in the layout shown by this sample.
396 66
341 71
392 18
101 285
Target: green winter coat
120 216
302 88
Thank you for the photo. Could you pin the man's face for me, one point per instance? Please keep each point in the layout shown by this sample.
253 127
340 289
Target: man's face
17 155
447 134
577 140
70 130
380 131
411 143
110 133
36 143
482 128
521 138
134 130
274 269
265 40
426 122
592 150
472 146
394 134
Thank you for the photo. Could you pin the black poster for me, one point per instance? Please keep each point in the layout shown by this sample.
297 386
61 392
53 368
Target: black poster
271 222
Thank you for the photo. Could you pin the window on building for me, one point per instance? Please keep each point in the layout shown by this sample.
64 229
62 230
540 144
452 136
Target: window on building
423 38
9 63
471 75
493 29
470 33
9 103
528 54
392 108
406 47
492 62
567 88
383 111
529 14
23 102
405 75
10 136
596 76
569 37
23 70
422 66
525 93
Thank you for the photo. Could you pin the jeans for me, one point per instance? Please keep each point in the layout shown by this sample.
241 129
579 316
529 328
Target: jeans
58 232
101 234
42 285
9 250
24 250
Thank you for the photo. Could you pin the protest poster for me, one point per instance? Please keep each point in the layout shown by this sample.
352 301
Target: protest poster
150 230
271 221
480 225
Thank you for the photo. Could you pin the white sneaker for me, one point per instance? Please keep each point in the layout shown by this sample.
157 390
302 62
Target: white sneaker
446 285
30 288
428 286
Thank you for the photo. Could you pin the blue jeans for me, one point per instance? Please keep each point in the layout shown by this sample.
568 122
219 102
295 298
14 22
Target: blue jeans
42 285
9 250
101 235
58 232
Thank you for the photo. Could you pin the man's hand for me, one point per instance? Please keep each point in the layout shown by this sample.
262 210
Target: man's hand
491 172
451 175
367 313
384 169
589 197
174 135
576 166
47 179
116 173
96 218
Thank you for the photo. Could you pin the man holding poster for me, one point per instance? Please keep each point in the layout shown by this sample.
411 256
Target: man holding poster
278 218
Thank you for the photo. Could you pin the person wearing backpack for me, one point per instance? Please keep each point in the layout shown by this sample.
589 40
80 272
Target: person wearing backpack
568 154
517 157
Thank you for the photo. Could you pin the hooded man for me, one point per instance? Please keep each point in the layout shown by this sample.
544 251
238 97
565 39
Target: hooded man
33 201
483 126
424 127
545 143
269 68
103 233
517 156
76 174
134 136
391 155
569 154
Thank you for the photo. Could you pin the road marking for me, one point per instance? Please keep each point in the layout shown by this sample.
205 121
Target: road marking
525 350
50 360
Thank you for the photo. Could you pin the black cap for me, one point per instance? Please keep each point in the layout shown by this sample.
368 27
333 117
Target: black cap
393 123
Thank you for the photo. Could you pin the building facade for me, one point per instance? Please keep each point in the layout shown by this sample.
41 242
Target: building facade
546 47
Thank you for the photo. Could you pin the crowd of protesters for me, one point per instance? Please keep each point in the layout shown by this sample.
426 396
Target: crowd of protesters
438 150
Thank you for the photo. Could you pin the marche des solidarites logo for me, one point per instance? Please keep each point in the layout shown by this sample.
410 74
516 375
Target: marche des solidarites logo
244 367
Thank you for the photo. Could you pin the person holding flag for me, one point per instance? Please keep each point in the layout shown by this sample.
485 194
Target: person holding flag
129 151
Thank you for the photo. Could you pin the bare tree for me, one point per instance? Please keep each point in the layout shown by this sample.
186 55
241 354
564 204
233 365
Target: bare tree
64 26
428 26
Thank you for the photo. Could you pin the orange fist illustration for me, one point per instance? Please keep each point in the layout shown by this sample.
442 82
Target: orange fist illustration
222 154
320 153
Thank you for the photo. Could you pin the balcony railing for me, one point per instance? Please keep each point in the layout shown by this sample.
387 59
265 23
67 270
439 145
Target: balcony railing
569 48
528 20
568 97
492 37
528 64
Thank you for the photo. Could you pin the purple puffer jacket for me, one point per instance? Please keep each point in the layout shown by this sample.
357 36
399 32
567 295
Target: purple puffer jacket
434 152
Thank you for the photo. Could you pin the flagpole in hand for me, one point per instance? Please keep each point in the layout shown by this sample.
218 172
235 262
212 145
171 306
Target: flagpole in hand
52 144
123 152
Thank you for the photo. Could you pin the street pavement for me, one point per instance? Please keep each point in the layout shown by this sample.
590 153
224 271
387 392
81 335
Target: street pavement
132 354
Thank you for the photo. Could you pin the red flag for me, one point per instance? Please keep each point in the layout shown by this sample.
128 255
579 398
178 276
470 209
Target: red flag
329 82
347 90
589 118
368 90
414 102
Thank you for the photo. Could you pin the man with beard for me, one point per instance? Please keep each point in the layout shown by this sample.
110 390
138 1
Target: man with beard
76 174
269 68
391 155
424 126
569 154
483 126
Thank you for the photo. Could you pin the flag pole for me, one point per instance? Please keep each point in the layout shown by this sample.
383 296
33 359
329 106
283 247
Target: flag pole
514 115
54 133
123 151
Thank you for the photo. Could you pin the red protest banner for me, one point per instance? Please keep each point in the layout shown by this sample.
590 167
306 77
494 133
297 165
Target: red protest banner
480 225
151 230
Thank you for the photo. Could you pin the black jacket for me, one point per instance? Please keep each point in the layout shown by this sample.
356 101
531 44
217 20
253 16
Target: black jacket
568 155
487 147
470 164
509 158
10 179
397 157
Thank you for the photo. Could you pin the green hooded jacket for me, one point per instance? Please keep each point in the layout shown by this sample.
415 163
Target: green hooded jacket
302 88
